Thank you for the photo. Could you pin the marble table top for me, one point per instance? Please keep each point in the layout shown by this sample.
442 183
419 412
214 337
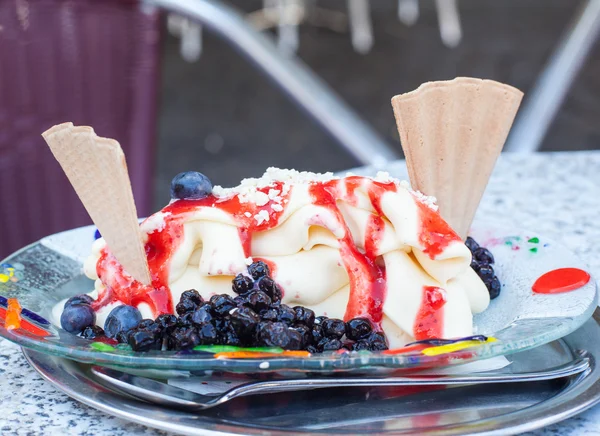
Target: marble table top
557 194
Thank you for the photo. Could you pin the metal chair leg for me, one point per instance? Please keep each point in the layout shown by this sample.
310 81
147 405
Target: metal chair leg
544 101
302 85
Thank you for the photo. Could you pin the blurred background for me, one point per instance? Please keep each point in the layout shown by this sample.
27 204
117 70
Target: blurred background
178 97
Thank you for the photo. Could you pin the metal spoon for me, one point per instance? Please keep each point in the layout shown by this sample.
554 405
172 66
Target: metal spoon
161 393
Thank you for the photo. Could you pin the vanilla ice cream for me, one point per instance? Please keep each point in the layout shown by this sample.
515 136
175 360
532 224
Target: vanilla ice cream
344 247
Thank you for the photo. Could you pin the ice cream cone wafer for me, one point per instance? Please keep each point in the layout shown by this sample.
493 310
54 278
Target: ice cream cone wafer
452 133
97 170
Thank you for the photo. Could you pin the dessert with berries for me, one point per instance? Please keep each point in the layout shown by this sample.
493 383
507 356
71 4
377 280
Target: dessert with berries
295 260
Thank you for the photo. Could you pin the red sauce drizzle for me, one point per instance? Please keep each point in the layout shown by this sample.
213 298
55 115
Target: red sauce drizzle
430 318
561 280
367 278
162 244
366 273
435 234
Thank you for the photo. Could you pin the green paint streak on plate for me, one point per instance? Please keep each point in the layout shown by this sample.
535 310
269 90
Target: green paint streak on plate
233 349
101 346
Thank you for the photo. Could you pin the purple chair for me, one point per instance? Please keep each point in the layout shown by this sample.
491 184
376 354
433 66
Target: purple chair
90 62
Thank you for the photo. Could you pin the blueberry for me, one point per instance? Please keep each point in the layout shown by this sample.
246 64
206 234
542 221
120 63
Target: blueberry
334 328
494 287
202 315
190 185
258 269
486 273
377 341
229 337
183 338
358 328
185 320
142 339
258 300
475 265
317 333
123 337
471 244
312 349
286 314
269 314
77 317
305 332
222 304
269 287
92 332
361 345
296 341
329 344
193 296
79 299
150 325
208 334
121 318
304 315
244 321
272 334
483 256
239 300
167 323
185 306
319 320
242 284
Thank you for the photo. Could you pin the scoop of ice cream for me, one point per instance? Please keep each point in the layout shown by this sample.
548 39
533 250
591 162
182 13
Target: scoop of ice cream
344 247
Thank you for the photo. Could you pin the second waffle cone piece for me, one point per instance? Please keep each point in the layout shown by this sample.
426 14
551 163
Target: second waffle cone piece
452 133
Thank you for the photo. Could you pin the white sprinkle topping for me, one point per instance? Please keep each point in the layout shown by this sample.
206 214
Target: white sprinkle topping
155 223
248 214
262 216
264 365
427 200
249 261
277 207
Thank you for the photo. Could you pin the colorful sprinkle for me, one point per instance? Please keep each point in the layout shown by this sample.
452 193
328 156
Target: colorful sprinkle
97 234
101 346
534 240
13 314
533 250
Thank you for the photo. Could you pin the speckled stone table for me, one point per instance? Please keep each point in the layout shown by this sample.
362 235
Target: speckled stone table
555 194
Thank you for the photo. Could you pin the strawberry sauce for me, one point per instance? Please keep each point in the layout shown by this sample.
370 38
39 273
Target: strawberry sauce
364 266
435 234
430 318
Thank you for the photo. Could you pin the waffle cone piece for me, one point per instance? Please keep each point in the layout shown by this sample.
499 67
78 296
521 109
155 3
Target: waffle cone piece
452 133
97 170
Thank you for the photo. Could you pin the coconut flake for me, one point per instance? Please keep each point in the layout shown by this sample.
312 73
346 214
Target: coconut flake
262 216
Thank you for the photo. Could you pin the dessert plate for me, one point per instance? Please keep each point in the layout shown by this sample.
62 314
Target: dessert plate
46 272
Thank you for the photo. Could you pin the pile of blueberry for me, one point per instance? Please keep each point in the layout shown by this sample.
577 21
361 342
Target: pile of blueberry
482 262
255 317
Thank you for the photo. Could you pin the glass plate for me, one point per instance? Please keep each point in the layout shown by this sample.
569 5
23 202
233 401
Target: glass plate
42 274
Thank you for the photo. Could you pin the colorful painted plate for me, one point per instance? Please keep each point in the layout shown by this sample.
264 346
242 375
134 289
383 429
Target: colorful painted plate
50 270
